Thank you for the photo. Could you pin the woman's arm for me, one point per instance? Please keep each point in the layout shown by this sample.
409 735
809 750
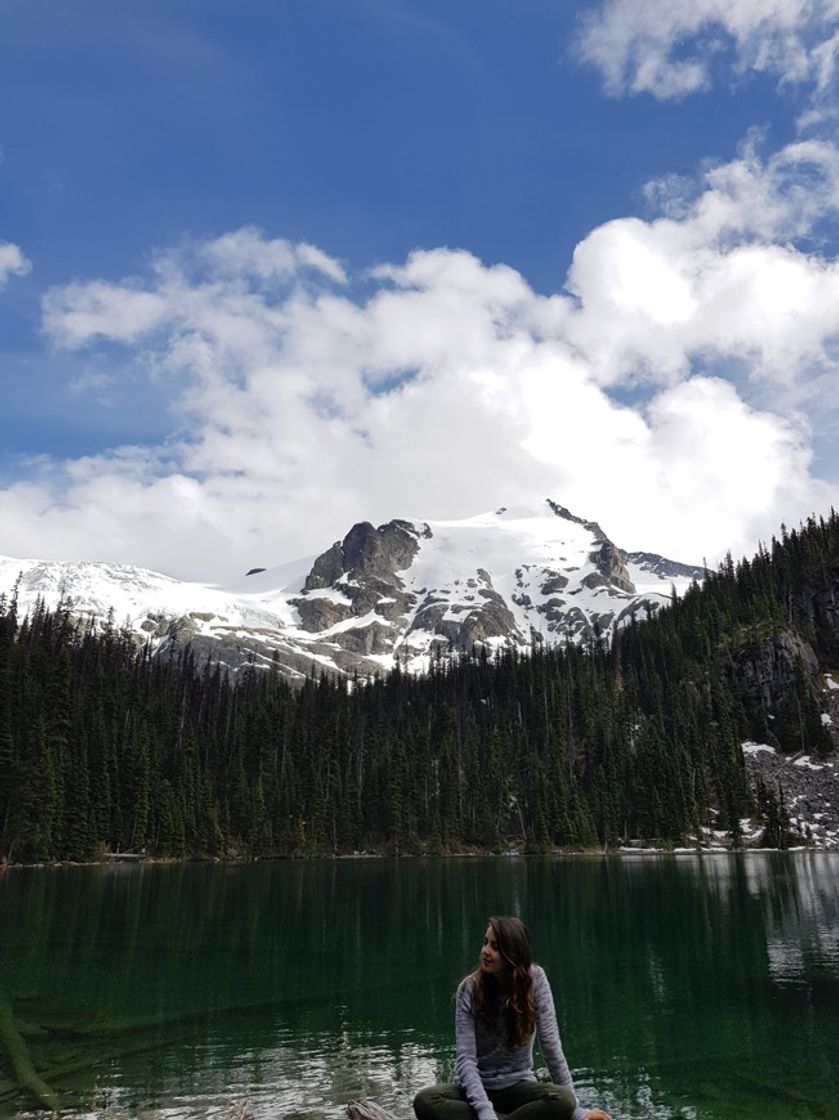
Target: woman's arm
466 1054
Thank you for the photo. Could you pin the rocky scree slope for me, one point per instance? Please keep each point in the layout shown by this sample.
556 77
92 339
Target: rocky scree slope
402 593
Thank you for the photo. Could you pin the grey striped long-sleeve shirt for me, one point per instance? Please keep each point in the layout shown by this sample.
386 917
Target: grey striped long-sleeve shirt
482 1060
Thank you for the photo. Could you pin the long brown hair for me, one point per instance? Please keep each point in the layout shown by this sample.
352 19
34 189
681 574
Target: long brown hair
511 994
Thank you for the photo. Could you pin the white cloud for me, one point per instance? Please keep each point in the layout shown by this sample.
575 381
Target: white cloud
718 279
75 315
670 48
451 387
213 278
697 459
12 262
246 252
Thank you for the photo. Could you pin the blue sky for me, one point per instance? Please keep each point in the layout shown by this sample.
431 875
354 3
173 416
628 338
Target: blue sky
269 269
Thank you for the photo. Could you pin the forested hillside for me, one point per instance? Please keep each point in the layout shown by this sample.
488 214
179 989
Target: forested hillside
102 747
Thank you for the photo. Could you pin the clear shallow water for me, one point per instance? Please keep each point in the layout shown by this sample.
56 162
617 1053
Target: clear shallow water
686 986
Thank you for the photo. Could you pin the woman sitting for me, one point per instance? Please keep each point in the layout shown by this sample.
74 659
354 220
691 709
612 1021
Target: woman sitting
500 1008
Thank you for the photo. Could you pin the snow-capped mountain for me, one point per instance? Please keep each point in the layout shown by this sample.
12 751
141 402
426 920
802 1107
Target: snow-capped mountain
397 593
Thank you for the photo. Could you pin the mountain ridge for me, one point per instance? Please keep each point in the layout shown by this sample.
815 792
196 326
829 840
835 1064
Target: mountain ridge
403 592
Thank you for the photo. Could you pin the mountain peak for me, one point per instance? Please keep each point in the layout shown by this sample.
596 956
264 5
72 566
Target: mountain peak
400 592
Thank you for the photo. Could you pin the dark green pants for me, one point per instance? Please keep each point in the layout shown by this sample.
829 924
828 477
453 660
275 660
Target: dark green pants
528 1100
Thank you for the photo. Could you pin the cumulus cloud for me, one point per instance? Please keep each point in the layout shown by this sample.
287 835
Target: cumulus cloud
81 312
719 277
670 48
449 386
12 262
217 275
246 252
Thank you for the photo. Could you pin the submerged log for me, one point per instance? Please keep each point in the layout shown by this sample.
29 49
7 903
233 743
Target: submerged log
367 1110
15 1049
239 1110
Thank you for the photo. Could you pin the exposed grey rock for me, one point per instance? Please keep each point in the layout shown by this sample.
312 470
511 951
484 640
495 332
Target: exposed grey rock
666 569
320 614
636 609
429 615
608 560
394 606
555 582
375 596
566 514
498 618
327 569
766 668
155 625
379 552
363 569
594 579
574 624
241 652
375 638
554 611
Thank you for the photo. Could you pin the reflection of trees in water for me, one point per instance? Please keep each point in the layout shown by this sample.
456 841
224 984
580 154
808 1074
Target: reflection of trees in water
686 968
176 974
801 914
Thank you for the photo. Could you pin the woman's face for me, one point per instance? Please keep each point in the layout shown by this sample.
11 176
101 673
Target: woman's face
491 959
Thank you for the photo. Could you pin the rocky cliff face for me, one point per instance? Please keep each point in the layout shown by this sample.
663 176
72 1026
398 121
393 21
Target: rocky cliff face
357 579
767 667
786 669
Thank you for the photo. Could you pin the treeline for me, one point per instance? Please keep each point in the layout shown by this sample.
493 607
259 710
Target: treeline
102 746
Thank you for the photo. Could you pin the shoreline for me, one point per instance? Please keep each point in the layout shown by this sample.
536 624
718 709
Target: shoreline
346 857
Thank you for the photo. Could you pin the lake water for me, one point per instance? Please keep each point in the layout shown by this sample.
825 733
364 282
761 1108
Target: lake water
686 986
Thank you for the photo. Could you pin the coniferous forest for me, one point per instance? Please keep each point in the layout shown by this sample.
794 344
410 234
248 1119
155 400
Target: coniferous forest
105 747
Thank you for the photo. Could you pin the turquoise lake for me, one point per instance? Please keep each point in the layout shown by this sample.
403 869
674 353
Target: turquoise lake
689 986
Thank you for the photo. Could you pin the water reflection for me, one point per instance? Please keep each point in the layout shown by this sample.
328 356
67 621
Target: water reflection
686 986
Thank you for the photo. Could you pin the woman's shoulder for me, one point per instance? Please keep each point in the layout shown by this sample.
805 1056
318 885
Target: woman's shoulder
538 975
466 987
466 983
